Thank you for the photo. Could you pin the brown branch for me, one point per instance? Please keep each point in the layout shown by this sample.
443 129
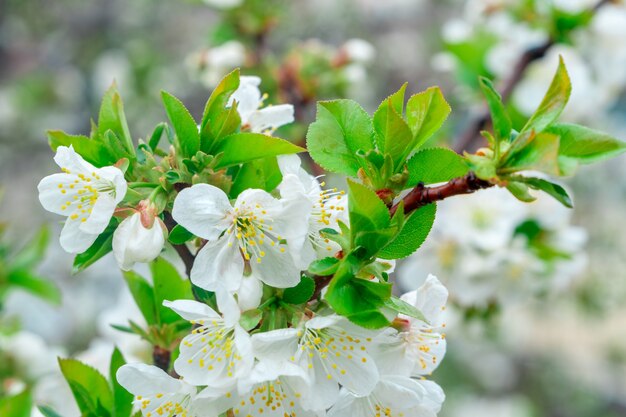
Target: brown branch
183 251
421 196
161 357
471 136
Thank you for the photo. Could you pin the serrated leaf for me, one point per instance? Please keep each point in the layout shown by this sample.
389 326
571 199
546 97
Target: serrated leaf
369 216
402 307
92 151
217 121
555 190
341 128
360 301
393 135
425 114
179 235
184 125
111 117
435 165
586 145
412 235
245 147
301 293
502 125
324 267
101 247
91 390
553 102
123 399
157 133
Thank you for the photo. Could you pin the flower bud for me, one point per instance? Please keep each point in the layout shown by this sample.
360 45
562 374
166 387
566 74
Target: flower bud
139 238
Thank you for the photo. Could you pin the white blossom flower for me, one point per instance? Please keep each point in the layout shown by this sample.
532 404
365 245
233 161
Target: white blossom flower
85 194
393 396
139 238
418 347
359 50
330 350
223 4
216 353
259 228
156 393
328 206
254 117
210 65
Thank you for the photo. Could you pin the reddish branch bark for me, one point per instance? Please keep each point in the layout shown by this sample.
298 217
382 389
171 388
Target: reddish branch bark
421 196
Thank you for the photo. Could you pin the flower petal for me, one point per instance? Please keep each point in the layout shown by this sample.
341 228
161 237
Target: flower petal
116 176
142 379
73 239
101 214
271 117
192 310
276 345
430 299
203 209
67 158
50 195
218 264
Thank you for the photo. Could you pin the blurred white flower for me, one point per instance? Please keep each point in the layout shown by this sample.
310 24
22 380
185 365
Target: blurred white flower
223 4
254 116
85 194
359 51
209 66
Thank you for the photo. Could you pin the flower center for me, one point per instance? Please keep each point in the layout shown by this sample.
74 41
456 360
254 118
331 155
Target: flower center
82 193
218 349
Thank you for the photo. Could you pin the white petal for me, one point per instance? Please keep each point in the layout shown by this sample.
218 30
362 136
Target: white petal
248 97
75 240
203 209
68 158
50 195
349 405
275 345
145 380
116 176
277 268
192 310
398 392
249 293
321 322
218 264
100 216
132 242
227 304
271 117
430 299
289 164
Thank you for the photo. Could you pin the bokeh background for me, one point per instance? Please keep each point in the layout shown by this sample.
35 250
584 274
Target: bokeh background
557 351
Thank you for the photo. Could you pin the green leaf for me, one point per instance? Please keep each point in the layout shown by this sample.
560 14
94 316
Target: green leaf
179 235
541 154
250 319
301 293
38 286
102 246
341 128
143 294
360 301
168 285
155 138
369 216
414 232
425 114
263 174
16 405
520 191
122 398
393 135
91 390
111 117
48 412
244 147
555 190
402 307
553 103
433 165
184 125
92 151
324 267
217 121
502 125
586 145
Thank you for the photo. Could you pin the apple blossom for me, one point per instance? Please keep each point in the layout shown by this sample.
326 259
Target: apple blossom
85 194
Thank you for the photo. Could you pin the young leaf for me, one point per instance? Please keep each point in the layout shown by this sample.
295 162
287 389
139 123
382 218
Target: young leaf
414 232
393 135
184 125
102 246
47 411
91 150
111 117
168 285
520 191
360 301
586 145
262 174
155 138
541 154
553 103
301 293
341 128
368 215
425 114
435 165
179 235
555 190
501 121
244 147
402 307
123 399
91 390
143 294
324 267
38 286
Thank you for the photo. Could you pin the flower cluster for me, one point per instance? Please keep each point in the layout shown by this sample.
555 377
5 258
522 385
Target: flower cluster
321 366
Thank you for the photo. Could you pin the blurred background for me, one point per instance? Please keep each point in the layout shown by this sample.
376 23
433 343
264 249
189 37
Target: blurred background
538 324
